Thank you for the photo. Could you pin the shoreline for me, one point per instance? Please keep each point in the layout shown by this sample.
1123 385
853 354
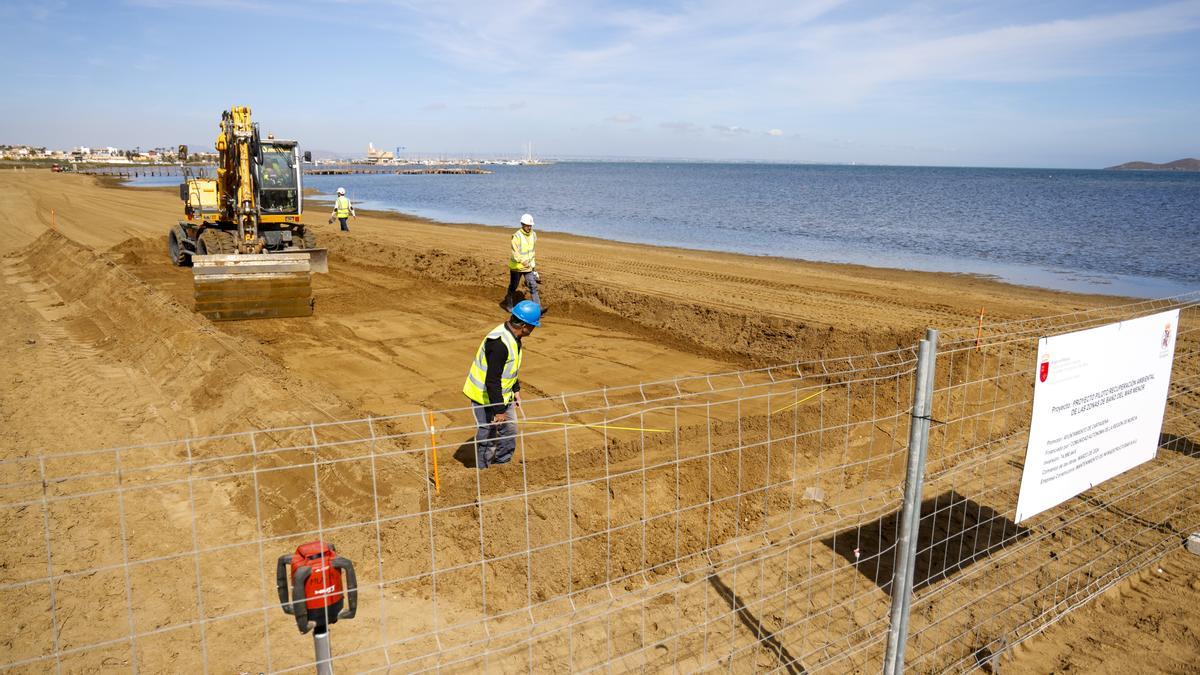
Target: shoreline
398 215
1014 274
976 280
1021 275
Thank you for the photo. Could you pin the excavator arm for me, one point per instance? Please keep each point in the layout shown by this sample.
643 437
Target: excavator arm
238 147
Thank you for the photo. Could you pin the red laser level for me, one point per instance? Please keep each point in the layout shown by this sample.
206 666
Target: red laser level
318 593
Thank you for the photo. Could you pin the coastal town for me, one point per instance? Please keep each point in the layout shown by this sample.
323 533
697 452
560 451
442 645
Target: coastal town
82 154
100 155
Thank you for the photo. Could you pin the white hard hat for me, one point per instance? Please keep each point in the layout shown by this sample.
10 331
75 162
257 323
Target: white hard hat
341 191
527 220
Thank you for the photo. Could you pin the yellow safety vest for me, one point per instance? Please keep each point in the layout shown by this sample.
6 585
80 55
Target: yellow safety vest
522 251
475 387
342 206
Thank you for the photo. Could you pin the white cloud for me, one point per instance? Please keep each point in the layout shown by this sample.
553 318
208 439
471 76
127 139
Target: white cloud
622 118
682 127
485 36
258 6
502 107
831 68
712 57
858 59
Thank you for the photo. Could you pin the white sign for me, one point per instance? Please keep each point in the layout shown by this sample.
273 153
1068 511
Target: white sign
1098 402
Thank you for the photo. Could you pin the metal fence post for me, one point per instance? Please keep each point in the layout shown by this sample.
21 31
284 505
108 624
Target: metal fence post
324 653
910 513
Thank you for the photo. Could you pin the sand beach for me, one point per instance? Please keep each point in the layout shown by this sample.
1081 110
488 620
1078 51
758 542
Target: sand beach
102 350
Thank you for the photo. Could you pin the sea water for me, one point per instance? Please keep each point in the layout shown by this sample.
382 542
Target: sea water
1112 232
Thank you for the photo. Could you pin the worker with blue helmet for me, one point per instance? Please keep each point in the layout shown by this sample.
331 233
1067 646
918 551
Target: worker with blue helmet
494 388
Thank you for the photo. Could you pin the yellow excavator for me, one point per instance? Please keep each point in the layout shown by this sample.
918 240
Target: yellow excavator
251 256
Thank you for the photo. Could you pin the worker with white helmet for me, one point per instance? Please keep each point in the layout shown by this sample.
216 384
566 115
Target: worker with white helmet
521 262
342 209
494 388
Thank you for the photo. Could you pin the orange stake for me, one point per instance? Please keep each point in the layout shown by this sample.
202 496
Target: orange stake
53 220
437 483
979 331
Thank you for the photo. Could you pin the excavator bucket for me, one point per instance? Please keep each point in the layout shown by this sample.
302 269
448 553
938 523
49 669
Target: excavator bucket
254 286
318 259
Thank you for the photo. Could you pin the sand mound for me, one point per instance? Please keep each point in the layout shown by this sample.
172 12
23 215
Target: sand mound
727 328
135 354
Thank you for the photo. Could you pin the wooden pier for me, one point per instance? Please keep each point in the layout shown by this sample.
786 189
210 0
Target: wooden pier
142 172
133 172
452 170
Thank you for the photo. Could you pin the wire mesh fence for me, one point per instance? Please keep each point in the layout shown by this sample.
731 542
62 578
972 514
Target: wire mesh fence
737 521
986 583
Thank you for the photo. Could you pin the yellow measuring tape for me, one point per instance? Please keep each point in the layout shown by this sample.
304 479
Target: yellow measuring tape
595 426
793 405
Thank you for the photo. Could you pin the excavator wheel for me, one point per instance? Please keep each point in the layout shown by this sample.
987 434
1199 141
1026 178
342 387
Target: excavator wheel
216 242
179 256
306 240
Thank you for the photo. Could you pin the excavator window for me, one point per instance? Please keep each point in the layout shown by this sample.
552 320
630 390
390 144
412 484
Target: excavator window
277 180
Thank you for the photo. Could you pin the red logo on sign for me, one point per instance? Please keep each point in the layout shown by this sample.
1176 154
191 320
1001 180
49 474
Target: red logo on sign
1166 340
1044 371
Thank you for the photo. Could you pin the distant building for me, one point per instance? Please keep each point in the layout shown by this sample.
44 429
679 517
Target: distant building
378 156
22 152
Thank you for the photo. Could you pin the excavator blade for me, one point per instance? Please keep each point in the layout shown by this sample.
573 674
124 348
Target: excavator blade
318 259
253 286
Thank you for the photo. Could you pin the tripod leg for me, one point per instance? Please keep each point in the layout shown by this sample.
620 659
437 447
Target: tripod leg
324 655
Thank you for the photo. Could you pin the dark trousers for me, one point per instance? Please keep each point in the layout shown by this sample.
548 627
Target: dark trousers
494 443
345 228
514 279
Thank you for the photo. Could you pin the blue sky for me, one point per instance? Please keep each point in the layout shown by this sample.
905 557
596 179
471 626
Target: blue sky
957 82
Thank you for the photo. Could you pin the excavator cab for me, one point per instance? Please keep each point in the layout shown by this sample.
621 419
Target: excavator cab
250 254
279 180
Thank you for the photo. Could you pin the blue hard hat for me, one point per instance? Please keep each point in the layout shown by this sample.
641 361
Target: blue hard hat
529 312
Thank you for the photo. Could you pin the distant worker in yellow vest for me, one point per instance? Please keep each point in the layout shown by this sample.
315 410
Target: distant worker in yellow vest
493 386
342 209
521 263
